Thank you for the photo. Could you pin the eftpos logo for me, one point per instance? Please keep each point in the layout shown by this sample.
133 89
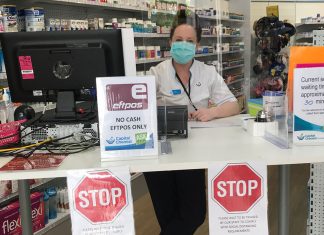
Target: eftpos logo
126 96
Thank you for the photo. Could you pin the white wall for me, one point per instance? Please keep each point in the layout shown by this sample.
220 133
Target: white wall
309 9
293 12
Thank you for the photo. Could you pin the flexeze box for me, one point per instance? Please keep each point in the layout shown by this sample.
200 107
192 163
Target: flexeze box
10 222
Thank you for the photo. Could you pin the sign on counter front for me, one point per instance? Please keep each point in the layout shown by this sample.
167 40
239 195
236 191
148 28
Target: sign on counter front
127 117
309 105
237 195
101 202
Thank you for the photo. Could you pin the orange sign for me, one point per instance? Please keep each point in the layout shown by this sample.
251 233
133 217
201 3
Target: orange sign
301 55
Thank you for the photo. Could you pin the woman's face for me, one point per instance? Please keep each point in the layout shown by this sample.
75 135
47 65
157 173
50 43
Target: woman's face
185 32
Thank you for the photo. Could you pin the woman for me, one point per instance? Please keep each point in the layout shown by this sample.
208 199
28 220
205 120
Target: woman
179 196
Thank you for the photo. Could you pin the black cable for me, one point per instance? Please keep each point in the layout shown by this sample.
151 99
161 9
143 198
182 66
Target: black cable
82 148
27 155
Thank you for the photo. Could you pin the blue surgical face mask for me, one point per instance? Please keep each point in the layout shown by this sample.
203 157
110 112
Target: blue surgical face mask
182 52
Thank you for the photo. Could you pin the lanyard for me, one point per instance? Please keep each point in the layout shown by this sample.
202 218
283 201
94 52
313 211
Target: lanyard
187 92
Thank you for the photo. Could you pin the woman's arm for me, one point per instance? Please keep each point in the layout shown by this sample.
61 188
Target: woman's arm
224 110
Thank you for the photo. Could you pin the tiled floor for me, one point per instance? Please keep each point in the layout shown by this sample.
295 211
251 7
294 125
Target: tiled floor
146 223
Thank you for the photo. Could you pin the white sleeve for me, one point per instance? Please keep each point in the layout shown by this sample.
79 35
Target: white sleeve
219 91
154 72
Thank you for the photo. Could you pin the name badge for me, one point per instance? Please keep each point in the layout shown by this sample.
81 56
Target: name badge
176 92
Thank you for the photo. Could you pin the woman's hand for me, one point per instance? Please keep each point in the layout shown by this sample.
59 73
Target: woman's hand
224 110
202 114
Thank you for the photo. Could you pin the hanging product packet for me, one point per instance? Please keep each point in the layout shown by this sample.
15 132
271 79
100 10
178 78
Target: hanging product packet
127 117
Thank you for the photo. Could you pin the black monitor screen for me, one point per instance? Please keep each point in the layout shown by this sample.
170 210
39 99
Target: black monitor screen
39 65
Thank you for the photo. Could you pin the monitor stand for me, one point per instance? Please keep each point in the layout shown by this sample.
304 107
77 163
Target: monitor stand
65 106
66 111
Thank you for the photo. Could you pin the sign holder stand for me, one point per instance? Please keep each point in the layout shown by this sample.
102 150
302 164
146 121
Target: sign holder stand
166 147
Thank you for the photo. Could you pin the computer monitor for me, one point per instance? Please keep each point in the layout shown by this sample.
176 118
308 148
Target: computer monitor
62 66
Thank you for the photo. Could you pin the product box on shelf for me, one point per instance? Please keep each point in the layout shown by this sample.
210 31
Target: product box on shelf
9 18
96 23
34 19
51 24
10 222
64 24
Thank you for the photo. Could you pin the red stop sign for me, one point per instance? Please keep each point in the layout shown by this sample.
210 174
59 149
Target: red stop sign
237 188
100 197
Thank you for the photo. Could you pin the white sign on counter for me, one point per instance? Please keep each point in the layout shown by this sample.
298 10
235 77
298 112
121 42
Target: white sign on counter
127 117
309 105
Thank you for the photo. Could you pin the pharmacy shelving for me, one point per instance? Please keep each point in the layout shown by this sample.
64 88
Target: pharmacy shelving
304 37
156 11
233 67
221 53
236 81
155 60
309 26
305 32
222 36
220 18
146 61
242 24
166 35
239 94
45 183
151 35
61 217
114 7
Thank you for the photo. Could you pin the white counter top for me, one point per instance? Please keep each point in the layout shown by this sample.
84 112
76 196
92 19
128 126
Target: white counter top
204 146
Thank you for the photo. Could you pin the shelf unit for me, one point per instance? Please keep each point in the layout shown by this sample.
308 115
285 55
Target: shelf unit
243 25
34 187
147 61
61 217
106 6
305 32
236 81
162 35
221 18
233 67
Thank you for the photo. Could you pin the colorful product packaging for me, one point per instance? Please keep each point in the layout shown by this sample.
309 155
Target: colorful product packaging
10 221
9 17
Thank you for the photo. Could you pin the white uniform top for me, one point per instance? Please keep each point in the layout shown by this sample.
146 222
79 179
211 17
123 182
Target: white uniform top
205 84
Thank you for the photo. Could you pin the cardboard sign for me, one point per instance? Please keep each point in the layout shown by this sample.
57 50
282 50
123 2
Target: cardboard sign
309 105
237 195
273 11
127 117
101 201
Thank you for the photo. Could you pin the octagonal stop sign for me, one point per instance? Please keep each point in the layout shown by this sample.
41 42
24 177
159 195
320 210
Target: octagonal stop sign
237 188
100 197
